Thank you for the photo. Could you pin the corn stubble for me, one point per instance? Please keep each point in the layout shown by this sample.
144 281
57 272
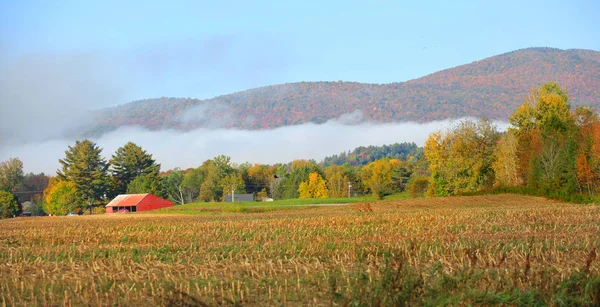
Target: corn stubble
484 250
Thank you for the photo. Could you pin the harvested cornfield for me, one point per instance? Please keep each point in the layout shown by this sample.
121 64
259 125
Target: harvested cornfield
482 250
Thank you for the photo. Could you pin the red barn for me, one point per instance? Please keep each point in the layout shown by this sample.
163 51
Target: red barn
136 203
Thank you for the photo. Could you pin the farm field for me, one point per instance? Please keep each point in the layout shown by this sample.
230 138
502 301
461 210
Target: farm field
481 250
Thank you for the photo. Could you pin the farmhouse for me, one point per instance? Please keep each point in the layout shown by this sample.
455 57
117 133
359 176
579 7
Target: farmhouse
136 203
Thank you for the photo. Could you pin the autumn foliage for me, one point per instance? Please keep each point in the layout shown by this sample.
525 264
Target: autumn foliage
314 187
550 150
492 87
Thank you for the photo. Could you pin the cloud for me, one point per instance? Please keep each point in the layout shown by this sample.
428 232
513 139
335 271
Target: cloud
182 149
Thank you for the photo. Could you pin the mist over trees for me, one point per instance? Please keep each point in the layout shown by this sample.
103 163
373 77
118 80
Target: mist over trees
550 150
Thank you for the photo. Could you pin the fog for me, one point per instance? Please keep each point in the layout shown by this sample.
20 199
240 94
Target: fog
45 96
181 149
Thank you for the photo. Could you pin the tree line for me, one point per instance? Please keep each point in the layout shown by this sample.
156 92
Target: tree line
88 181
549 150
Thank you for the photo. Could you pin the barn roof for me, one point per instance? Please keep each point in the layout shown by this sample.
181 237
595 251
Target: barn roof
127 200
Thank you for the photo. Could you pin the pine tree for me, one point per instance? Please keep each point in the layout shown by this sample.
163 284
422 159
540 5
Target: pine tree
84 166
128 163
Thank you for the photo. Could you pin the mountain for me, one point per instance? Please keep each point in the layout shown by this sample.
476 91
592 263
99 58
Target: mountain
491 87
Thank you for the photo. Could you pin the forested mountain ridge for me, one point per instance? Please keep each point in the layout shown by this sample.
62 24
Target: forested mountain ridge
363 155
491 87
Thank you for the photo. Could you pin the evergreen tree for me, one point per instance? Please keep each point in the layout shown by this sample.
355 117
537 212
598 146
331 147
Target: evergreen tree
84 166
128 163
147 183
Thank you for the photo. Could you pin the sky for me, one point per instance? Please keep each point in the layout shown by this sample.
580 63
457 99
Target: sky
202 49
60 59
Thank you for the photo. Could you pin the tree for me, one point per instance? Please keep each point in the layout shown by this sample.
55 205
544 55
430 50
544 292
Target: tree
588 157
259 178
337 182
287 186
173 185
34 183
62 197
9 205
233 182
546 130
505 163
37 205
461 158
213 172
147 183
84 166
11 174
378 176
314 187
129 162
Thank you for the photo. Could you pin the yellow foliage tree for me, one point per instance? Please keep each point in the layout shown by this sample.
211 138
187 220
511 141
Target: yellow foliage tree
378 176
61 197
461 157
315 187
336 181
506 166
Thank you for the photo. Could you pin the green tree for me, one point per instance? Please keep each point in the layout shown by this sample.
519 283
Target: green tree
173 185
210 189
147 183
62 197
11 174
9 205
214 172
182 187
287 186
129 162
84 166
547 140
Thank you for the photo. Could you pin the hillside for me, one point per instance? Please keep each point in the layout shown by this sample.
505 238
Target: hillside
363 155
492 87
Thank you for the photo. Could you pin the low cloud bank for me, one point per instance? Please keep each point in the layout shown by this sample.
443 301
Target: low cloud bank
173 148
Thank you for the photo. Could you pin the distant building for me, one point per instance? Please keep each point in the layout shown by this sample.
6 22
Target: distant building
239 197
136 203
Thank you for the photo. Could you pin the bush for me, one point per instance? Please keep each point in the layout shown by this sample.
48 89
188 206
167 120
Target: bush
552 194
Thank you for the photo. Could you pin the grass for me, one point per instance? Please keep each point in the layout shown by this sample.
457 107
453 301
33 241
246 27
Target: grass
212 208
481 250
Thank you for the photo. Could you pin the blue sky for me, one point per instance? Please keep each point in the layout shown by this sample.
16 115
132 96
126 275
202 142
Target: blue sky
200 49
